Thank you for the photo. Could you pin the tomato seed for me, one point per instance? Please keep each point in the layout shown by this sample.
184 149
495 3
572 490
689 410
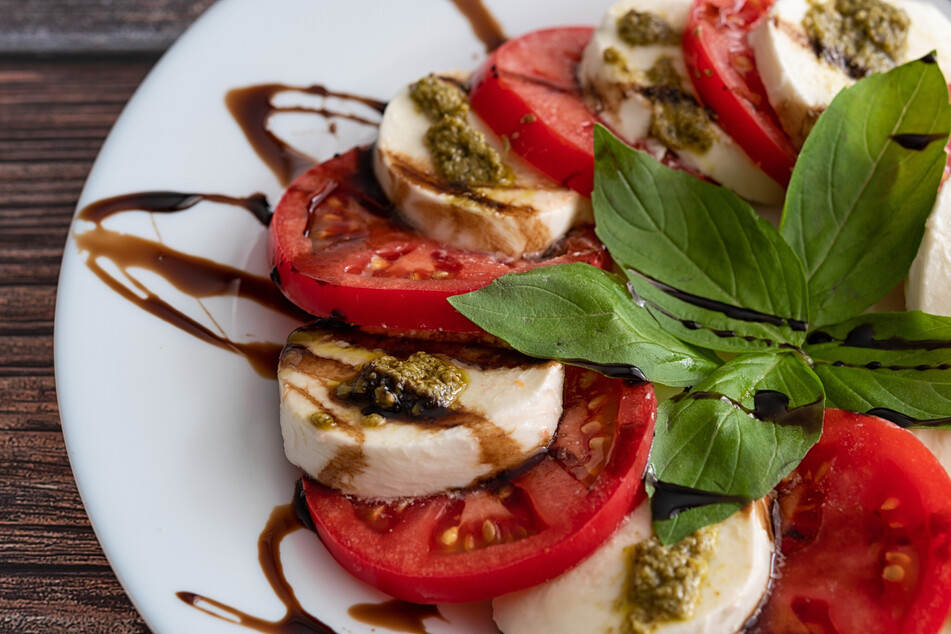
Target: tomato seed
898 558
893 573
596 402
489 531
592 426
450 536
890 504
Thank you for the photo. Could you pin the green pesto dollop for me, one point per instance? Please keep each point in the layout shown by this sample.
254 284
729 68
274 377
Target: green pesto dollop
860 36
461 154
663 583
641 28
677 120
415 387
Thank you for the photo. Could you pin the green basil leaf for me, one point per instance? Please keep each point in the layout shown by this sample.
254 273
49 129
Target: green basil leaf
579 313
733 437
863 186
714 264
896 365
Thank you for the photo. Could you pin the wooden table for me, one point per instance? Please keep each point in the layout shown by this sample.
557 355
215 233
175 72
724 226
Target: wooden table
66 70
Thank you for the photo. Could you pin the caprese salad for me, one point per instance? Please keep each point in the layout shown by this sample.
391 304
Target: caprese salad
469 434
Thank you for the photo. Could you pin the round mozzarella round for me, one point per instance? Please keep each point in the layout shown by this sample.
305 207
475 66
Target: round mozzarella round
929 277
800 85
524 217
615 76
585 599
504 415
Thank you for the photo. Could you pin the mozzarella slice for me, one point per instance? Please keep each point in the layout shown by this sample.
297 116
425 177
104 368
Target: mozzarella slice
800 85
584 598
507 412
929 277
525 217
617 88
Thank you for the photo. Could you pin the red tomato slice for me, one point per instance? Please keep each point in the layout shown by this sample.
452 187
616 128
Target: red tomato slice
721 67
866 535
337 252
527 91
511 533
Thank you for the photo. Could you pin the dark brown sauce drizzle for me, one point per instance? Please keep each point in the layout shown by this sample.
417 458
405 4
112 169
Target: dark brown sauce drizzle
252 107
917 142
670 499
733 312
395 615
195 276
483 23
903 420
285 519
863 336
612 370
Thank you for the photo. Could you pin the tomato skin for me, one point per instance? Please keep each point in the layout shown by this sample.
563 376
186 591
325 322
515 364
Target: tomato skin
336 252
720 64
527 91
866 535
551 515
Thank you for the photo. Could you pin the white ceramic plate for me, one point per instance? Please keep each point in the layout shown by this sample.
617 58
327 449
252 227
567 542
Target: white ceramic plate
175 444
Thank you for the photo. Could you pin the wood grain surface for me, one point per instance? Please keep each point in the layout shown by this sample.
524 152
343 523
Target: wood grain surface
67 68
94 26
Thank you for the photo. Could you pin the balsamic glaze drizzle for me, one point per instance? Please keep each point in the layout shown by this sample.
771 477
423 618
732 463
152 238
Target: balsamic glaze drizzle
252 107
733 312
863 336
483 23
670 500
612 370
903 420
195 276
917 142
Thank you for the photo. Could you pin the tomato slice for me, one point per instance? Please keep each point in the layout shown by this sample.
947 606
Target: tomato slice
720 64
866 535
513 532
337 252
527 91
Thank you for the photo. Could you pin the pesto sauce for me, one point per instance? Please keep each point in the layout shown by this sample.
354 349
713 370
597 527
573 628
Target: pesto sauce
461 154
663 583
677 120
859 36
414 387
640 28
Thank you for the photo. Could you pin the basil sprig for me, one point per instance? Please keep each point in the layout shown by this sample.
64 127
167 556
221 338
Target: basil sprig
702 272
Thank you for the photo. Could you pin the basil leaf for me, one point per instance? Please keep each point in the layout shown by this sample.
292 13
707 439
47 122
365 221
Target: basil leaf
576 312
863 186
898 365
734 436
714 264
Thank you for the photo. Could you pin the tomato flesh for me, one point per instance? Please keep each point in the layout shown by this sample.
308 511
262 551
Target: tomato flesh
527 92
516 531
337 251
720 64
866 535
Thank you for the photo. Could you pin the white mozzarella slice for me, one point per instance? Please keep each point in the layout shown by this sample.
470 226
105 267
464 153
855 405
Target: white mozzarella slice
800 85
584 598
525 217
616 88
929 278
938 442
505 414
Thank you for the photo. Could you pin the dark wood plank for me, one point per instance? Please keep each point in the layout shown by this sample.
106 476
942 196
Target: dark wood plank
54 115
100 26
